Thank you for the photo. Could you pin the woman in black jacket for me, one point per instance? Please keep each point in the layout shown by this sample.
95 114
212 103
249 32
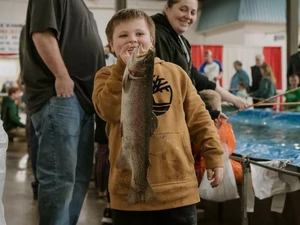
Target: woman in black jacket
171 46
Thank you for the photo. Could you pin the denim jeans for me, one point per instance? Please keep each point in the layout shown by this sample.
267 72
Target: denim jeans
33 148
65 159
186 215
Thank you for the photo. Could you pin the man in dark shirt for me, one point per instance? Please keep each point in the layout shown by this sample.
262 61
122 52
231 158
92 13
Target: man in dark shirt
62 54
294 64
256 74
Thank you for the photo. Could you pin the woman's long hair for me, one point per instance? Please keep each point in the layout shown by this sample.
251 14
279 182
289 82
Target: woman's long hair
266 70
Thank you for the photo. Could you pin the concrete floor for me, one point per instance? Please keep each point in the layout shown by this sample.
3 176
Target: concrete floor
19 206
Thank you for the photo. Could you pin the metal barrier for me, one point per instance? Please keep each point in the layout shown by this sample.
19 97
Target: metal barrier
246 161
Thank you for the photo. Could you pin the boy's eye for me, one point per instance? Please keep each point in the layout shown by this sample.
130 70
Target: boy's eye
123 35
139 34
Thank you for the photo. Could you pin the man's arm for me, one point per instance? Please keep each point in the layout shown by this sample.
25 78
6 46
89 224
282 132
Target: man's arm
47 47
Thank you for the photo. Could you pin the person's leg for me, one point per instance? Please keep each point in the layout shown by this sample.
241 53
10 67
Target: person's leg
186 215
84 166
58 126
135 217
107 169
33 146
100 169
107 214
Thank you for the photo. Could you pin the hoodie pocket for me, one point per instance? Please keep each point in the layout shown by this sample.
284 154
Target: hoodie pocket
171 159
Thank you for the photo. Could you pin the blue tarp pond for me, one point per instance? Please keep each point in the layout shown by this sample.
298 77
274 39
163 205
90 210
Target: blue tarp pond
267 135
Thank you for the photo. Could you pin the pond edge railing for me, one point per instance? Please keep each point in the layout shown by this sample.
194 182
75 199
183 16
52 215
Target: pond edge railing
246 161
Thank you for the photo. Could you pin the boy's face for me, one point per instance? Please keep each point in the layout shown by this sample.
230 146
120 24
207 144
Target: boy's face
135 32
294 81
15 95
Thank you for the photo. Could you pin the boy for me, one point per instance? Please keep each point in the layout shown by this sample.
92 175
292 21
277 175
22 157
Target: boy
242 91
171 173
295 95
10 114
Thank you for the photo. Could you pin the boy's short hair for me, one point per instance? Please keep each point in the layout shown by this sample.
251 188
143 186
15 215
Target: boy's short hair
211 97
242 84
128 14
12 90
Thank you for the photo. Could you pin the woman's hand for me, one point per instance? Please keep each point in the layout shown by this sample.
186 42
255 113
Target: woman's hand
240 103
215 174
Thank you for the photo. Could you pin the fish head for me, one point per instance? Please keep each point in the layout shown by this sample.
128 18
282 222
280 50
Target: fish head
141 61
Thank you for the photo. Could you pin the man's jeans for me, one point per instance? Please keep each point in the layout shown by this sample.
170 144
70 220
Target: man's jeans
65 159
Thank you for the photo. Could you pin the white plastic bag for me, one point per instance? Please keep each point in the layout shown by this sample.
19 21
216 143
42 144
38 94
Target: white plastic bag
267 183
3 148
227 190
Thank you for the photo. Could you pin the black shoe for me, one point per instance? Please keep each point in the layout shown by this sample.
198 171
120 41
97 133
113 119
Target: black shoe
107 216
35 189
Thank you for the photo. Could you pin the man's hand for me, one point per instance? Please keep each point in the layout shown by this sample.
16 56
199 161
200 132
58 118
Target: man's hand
219 77
215 174
64 86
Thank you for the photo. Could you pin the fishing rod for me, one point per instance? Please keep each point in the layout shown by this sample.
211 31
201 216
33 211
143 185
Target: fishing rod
261 102
281 103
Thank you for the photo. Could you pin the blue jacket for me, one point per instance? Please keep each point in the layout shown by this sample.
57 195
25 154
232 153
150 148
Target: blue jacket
239 76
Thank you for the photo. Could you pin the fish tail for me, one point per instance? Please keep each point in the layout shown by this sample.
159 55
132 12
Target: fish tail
135 197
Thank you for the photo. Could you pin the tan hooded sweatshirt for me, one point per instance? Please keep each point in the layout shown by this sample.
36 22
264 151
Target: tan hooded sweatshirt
182 118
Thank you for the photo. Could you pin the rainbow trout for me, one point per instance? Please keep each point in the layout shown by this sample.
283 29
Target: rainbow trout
138 123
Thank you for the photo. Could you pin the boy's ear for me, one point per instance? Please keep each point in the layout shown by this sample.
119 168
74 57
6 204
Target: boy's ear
111 46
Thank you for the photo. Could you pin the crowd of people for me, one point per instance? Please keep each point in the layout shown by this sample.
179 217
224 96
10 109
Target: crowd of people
69 76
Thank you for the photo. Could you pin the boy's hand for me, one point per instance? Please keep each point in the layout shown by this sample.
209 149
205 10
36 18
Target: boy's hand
215 174
124 53
218 121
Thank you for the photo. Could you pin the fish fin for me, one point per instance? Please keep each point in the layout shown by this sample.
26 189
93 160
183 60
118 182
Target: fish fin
122 163
135 197
154 123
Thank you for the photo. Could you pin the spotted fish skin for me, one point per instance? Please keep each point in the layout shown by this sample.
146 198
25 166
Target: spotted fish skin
138 122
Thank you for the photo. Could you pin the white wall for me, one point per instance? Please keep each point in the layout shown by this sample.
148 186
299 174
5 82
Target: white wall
103 10
13 11
192 37
228 35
